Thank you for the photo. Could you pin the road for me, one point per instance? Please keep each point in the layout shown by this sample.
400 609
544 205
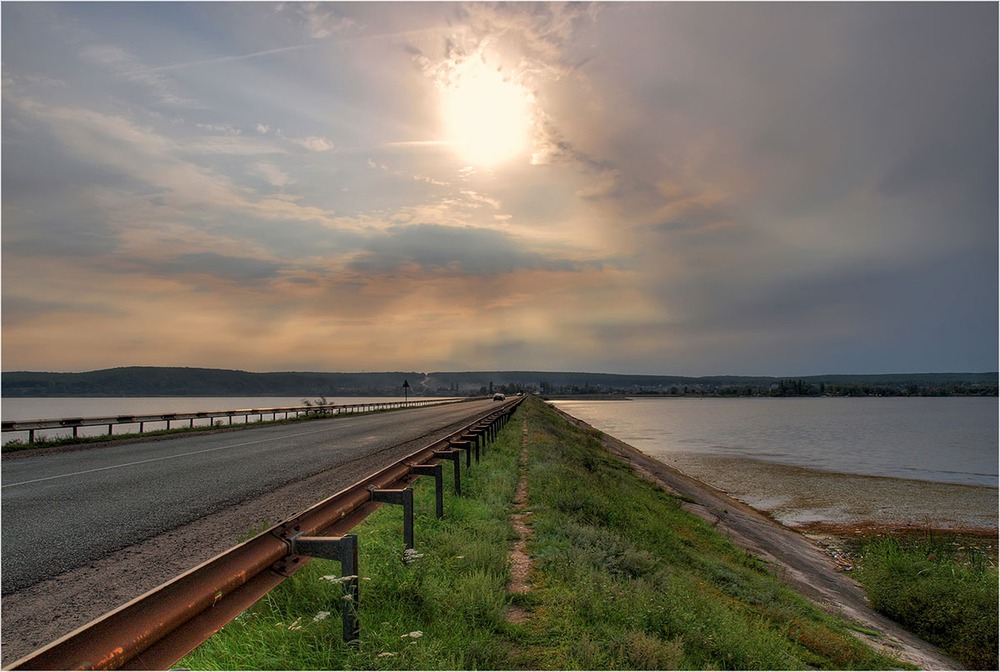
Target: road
73 522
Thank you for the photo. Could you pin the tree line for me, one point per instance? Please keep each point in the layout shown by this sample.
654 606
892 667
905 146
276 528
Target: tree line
180 381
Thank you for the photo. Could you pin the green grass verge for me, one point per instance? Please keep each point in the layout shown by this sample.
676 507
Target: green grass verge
942 592
624 579
454 596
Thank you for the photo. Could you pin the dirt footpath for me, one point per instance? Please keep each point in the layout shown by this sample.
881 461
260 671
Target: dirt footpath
795 559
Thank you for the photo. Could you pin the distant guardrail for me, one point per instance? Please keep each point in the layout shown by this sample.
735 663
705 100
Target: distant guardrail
74 424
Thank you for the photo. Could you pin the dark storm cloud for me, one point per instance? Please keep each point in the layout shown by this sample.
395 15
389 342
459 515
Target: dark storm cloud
822 170
220 266
461 251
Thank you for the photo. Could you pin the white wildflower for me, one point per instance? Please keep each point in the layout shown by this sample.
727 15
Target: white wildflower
385 654
321 616
410 556
416 634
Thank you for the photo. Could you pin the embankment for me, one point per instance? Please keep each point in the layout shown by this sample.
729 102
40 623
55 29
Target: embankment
796 559
624 573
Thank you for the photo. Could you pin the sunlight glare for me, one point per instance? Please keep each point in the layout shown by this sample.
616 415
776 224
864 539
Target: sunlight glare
487 119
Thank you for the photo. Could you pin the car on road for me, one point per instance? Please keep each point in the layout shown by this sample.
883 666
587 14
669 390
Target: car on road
499 396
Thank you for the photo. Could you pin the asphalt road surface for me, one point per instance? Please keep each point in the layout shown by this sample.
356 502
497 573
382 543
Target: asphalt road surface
64 511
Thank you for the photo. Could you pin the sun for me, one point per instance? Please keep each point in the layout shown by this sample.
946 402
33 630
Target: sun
487 117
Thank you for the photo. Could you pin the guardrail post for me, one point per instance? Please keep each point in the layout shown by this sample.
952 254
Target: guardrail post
472 438
404 498
345 550
437 471
454 456
463 445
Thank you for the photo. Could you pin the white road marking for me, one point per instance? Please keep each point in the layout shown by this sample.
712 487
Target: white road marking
157 459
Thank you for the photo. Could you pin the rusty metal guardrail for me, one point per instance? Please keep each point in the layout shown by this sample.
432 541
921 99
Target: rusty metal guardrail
31 426
157 629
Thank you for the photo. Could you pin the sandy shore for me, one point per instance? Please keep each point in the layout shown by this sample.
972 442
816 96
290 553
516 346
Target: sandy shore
815 499
732 493
801 560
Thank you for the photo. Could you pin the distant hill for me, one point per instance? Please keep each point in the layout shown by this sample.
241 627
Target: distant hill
555 383
148 381
151 381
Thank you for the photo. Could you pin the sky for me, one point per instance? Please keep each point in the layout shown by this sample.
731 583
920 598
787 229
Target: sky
681 189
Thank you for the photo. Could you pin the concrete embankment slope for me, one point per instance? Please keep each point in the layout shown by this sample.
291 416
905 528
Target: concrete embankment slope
796 560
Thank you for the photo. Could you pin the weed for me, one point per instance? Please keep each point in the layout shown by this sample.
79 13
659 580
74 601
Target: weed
623 578
948 598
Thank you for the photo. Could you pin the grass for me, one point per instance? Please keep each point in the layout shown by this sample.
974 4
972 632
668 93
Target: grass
942 591
624 578
454 596
631 580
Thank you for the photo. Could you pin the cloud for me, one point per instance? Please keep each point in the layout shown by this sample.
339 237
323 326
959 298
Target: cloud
142 154
23 309
313 143
232 144
451 250
223 129
321 19
224 267
605 186
478 200
525 41
542 31
225 59
272 174
711 188
127 68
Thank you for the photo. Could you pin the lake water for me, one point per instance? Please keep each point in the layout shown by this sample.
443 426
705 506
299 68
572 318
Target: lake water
34 408
935 439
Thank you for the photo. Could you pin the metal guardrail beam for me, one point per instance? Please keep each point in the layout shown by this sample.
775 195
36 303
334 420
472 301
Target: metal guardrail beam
160 627
329 409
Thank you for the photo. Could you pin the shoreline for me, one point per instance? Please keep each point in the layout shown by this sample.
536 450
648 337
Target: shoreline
806 563
809 499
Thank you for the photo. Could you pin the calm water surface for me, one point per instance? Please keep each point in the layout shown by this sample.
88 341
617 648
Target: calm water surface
947 440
